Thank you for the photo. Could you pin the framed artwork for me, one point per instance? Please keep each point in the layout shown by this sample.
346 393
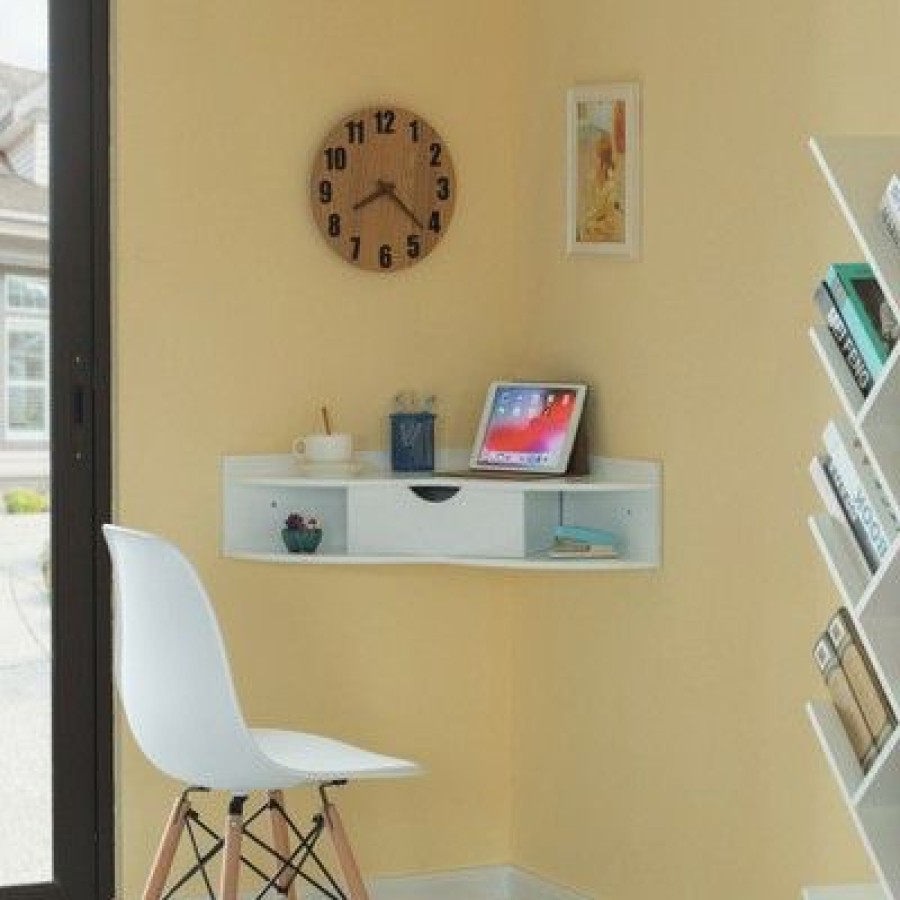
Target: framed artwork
603 177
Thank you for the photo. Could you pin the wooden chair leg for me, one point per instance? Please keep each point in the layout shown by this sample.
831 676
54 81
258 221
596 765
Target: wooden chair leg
231 859
165 853
286 881
346 860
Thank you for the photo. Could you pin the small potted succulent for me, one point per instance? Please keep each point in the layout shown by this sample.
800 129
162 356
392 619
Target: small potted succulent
301 534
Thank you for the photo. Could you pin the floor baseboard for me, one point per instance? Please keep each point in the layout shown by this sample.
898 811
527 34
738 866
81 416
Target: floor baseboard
476 883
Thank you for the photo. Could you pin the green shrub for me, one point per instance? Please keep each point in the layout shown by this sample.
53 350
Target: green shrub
25 500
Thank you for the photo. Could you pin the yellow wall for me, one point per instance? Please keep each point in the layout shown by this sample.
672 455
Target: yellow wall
633 736
659 718
234 323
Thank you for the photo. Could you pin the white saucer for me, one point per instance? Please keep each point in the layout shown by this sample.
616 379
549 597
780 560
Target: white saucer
330 469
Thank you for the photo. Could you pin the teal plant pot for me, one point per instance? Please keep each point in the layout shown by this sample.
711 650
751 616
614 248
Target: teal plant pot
301 541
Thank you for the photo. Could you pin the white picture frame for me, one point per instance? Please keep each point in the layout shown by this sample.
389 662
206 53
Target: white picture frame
603 170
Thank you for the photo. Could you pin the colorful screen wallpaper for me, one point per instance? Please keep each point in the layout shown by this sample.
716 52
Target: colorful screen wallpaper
527 426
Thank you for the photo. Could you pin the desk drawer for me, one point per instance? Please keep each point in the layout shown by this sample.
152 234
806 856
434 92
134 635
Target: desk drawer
435 520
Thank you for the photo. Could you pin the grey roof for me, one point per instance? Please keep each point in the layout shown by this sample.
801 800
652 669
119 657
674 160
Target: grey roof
16 193
19 194
16 82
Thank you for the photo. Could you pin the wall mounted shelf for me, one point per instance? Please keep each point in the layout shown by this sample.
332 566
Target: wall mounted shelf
380 517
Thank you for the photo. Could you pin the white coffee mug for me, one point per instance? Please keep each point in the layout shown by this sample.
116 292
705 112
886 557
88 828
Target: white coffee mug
324 448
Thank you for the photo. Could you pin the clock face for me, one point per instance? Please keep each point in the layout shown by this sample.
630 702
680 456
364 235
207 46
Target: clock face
382 188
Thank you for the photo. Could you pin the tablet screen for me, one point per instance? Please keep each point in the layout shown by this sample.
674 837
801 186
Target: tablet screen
529 427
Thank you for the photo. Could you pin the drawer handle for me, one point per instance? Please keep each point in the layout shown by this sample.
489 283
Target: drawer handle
435 493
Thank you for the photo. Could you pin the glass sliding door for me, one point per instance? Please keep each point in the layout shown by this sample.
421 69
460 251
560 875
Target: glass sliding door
26 607
55 784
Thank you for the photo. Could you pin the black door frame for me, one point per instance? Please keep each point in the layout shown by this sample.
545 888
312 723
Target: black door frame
83 857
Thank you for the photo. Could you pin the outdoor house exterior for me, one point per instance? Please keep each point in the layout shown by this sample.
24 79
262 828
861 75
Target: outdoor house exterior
24 278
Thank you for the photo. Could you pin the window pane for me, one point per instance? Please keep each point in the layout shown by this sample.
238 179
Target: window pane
27 409
23 293
28 355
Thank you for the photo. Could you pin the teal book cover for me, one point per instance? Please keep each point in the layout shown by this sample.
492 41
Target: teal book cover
865 310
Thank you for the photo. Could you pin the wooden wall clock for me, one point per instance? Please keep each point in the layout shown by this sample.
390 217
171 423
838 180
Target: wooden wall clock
383 188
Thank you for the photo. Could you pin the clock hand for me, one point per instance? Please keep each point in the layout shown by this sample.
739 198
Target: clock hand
389 188
381 189
405 208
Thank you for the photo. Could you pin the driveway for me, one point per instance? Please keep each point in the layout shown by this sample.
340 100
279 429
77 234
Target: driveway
25 771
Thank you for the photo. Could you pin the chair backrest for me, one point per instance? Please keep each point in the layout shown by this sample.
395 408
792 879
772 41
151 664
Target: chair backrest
172 670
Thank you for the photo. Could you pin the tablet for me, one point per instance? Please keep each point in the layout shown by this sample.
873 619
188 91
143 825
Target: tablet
528 427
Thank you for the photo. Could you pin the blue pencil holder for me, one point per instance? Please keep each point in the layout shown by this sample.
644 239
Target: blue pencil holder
412 442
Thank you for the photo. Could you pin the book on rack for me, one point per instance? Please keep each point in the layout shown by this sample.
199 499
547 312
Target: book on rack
837 507
848 514
864 683
890 209
579 542
869 512
844 340
865 310
845 702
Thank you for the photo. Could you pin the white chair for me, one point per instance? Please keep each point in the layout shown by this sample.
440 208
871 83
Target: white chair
176 688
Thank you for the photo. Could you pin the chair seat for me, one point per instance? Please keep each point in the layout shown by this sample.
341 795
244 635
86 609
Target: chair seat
319 759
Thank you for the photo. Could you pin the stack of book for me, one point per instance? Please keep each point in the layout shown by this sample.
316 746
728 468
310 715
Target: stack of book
855 690
853 494
860 320
579 542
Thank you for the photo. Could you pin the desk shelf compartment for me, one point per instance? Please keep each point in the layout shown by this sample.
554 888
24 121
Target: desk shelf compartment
384 517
